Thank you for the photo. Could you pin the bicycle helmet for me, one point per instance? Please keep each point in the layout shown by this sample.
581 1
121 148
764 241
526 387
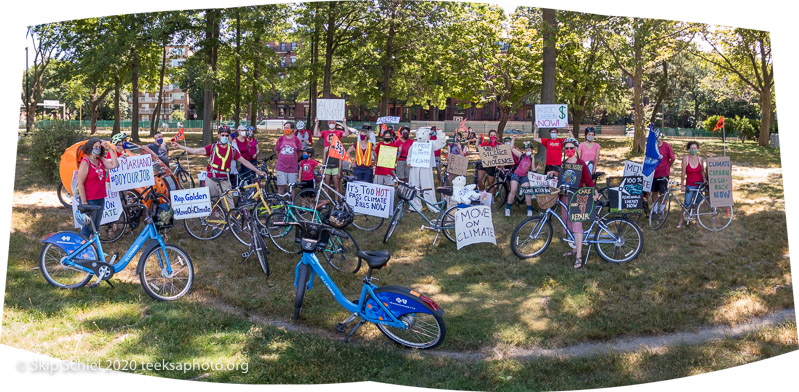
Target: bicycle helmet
571 140
527 144
251 128
300 124
341 216
223 128
118 138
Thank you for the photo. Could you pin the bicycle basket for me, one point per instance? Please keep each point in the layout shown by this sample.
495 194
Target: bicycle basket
405 192
548 200
164 216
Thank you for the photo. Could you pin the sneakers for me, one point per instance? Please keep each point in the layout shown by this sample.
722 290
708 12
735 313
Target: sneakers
507 212
529 212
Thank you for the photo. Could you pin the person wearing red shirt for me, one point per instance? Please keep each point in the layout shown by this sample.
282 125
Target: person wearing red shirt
363 154
91 179
554 148
308 167
404 145
333 128
383 174
693 172
570 150
305 135
490 172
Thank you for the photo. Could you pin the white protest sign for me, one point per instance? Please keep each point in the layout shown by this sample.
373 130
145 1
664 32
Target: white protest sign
112 209
190 203
474 225
552 116
540 180
388 120
421 155
330 109
202 177
135 171
637 169
370 199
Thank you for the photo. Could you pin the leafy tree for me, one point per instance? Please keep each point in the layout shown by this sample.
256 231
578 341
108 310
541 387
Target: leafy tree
48 42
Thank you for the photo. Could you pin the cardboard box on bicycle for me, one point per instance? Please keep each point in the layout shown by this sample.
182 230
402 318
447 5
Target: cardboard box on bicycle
719 173
501 155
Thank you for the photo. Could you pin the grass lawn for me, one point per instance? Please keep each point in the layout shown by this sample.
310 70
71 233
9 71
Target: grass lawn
684 279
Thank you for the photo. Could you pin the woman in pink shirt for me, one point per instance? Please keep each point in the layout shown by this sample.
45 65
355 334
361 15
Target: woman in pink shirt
519 175
588 151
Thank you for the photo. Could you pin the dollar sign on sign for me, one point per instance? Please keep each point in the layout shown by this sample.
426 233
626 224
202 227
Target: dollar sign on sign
562 113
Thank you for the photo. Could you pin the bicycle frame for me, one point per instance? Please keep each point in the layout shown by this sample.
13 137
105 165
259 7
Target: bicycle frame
441 206
367 293
690 210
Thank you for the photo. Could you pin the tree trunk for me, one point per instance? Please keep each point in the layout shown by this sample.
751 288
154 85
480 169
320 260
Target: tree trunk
134 81
314 85
94 103
549 71
503 120
237 112
117 111
387 68
157 110
765 116
329 39
212 40
639 143
254 99
661 95
577 118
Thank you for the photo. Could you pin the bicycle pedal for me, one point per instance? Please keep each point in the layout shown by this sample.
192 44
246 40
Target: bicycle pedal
341 328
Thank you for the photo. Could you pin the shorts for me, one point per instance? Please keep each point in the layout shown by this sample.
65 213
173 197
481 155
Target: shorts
284 178
490 171
383 180
402 169
308 184
332 171
660 184
549 168
216 188
363 174
520 179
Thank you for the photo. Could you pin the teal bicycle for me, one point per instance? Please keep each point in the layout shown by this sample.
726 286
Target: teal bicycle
405 316
444 220
68 260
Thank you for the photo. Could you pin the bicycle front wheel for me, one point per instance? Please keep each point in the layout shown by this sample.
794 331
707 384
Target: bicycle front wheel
302 283
158 282
341 252
660 211
261 251
186 180
713 219
207 227
395 220
367 222
307 198
422 330
531 237
239 225
112 231
58 274
499 195
281 235
618 240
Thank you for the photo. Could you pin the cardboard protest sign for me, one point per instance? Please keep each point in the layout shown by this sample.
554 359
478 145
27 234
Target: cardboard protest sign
581 205
570 174
457 164
330 109
637 169
112 209
135 171
388 120
501 155
625 193
552 116
421 155
370 199
387 157
538 184
474 225
190 203
719 172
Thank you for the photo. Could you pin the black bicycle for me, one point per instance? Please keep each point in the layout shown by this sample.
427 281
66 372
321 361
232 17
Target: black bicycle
183 175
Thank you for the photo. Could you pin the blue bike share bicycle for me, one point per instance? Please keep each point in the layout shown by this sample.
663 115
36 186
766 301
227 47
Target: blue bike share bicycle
69 260
403 315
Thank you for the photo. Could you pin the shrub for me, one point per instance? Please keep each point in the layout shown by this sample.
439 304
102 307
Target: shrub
46 146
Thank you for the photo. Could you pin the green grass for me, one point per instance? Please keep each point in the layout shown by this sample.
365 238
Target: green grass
684 279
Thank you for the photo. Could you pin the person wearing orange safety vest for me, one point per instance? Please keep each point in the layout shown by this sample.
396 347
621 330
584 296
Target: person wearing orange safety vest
364 153
222 156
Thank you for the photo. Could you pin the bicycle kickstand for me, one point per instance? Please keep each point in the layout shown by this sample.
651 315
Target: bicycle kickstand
432 228
355 328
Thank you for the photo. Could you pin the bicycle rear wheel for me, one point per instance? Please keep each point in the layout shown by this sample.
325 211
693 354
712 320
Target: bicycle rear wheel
422 330
185 179
307 198
60 275
447 223
299 294
282 235
64 196
112 231
367 222
628 240
160 284
499 194
713 219
660 211
341 252
239 225
531 237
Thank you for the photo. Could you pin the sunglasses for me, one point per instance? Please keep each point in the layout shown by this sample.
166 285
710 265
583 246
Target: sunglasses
570 148
224 134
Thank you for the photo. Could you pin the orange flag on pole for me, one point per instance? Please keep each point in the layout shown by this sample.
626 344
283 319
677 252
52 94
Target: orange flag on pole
719 124
179 136
337 149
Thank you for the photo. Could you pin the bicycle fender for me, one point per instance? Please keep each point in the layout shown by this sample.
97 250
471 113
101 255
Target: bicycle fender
147 248
69 242
401 300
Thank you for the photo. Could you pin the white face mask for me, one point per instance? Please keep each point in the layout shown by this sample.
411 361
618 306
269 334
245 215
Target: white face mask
589 138
528 153
331 126
553 135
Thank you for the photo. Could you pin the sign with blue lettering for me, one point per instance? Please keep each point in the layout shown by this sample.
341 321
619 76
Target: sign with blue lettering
626 193
190 203
135 171
474 225
370 199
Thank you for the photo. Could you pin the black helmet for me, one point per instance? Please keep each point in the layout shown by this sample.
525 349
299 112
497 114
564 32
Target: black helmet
223 128
341 216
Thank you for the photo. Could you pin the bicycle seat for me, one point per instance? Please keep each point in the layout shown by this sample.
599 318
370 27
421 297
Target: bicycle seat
596 175
444 190
375 260
87 208
700 183
350 178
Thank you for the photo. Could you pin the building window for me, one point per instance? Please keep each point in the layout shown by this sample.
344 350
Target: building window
529 113
281 113
145 118
178 51
293 59
293 46
426 115
282 46
486 111
177 96
282 62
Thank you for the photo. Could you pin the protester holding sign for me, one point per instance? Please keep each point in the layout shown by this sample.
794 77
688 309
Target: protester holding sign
570 150
471 139
333 128
383 174
693 172
332 164
91 178
519 175
404 144
221 157
554 148
589 150
660 183
364 152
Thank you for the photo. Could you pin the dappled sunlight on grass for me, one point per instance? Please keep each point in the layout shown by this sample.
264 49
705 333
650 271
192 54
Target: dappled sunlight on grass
739 303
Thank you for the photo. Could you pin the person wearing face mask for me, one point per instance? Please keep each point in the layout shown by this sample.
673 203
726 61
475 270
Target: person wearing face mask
554 148
383 174
305 135
519 175
660 183
570 153
160 148
589 150
247 145
92 179
221 157
288 149
120 146
404 145
487 174
307 167
370 133
693 172
333 128
363 154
